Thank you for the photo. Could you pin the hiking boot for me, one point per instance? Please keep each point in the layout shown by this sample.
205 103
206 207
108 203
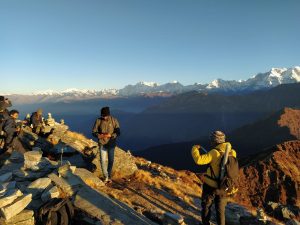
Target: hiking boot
107 180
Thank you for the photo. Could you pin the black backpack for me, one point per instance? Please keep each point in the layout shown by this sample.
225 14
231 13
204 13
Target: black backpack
228 185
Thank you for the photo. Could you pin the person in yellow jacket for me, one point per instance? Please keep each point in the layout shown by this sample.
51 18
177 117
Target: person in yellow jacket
209 195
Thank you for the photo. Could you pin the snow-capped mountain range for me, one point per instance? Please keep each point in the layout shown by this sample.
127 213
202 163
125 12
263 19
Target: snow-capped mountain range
272 78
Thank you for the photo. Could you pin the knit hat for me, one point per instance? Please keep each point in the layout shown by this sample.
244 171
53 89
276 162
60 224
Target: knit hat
105 111
217 137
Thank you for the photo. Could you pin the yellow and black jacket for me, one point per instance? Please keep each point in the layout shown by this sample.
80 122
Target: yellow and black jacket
213 157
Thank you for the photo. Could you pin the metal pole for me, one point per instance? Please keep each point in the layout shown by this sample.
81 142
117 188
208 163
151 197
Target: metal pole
61 156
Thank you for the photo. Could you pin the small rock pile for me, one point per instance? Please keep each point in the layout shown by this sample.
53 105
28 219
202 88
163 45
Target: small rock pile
282 212
30 181
78 150
22 186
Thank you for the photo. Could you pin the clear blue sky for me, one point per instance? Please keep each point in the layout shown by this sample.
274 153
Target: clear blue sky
95 44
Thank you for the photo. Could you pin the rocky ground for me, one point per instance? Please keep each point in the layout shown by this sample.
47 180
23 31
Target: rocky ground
271 180
142 192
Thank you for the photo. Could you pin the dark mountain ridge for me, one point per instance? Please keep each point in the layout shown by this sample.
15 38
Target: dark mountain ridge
188 116
253 138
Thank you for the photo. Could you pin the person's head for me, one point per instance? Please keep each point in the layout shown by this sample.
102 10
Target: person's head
39 111
14 114
4 103
217 137
105 112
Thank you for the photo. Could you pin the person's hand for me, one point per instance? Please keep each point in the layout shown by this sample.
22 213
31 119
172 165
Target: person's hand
100 136
197 146
24 121
18 129
108 135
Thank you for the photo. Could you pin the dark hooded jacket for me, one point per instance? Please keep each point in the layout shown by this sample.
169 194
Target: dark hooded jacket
36 119
4 116
109 126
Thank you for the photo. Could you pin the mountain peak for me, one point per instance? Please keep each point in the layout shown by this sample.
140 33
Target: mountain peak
149 84
272 78
213 84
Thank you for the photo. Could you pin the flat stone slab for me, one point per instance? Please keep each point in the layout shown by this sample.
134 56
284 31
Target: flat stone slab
23 185
16 157
23 217
9 196
50 194
9 185
37 187
32 158
11 167
107 210
16 207
173 218
64 170
6 177
28 175
35 204
88 178
69 185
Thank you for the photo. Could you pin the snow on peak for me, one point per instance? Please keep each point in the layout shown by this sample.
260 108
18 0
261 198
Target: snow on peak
47 92
213 84
272 78
297 68
71 90
149 84
276 72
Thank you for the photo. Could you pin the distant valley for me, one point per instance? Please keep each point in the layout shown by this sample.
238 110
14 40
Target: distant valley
161 115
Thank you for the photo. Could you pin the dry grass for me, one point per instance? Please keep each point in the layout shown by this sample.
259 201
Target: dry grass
147 178
186 188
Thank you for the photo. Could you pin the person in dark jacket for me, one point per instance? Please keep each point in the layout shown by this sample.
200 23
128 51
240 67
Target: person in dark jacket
37 121
106 129
4 115
12 130
4 103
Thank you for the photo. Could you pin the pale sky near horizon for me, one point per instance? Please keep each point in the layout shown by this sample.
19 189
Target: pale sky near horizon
98 44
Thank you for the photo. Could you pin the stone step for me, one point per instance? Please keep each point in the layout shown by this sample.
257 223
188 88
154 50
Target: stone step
37 187
23 218
16 207
9 196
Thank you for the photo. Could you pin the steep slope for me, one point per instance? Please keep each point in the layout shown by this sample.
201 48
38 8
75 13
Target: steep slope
279 127
141 192
271 176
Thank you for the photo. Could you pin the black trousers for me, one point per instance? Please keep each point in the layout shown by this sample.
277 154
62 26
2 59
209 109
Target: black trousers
208 198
